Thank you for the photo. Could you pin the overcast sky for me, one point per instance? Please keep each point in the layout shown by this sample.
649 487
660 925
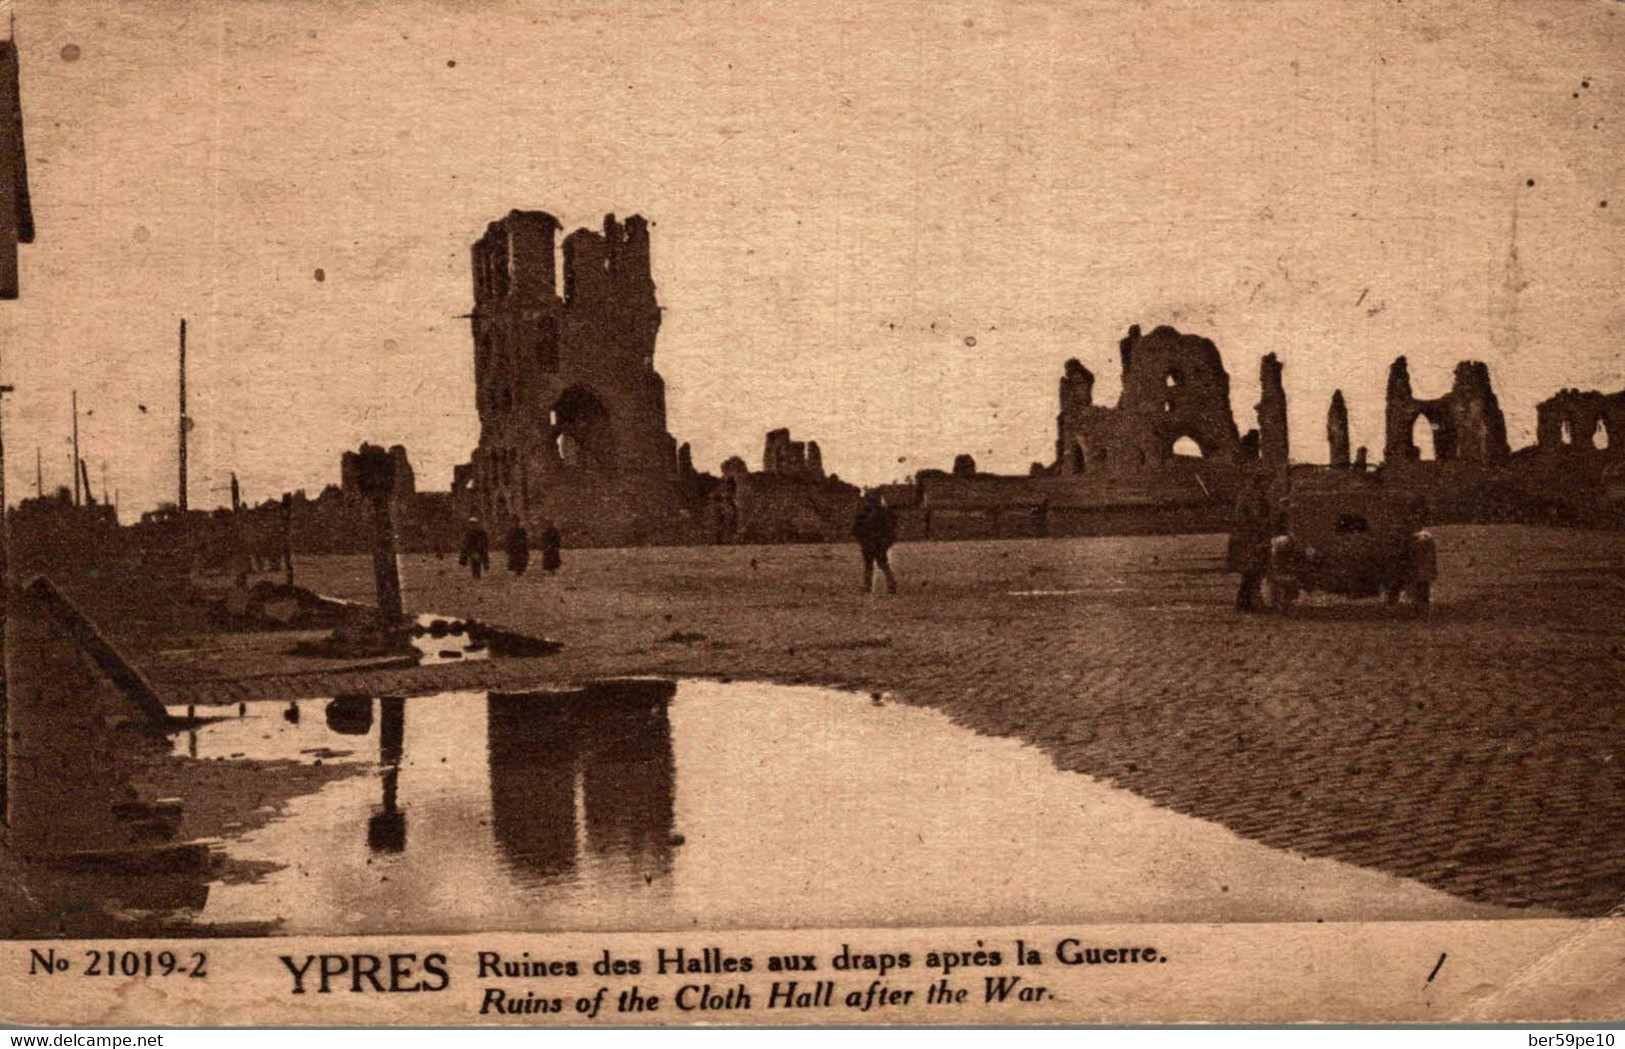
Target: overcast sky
886 231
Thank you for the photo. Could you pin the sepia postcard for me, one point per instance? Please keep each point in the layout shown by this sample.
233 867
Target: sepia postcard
546 512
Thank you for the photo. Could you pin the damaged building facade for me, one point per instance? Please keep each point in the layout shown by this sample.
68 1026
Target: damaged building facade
790 499
1583 421
1174 408
335 521
1166 457
1465 424
1575 471
573 427
1454 451
572 412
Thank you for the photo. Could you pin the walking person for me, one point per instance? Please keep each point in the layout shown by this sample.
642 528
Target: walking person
476 553
1249 548
516 544
552 544
875 529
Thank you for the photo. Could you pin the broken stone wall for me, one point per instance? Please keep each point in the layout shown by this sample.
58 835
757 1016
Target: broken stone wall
781 455
783 508
989 506
1573 420
790 500
1467 423
1174 387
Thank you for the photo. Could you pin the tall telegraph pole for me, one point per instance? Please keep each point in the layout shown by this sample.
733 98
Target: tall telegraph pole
180 500
76 486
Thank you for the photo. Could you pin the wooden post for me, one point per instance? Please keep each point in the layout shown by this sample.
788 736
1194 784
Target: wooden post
386 830
375 476
180 495
287 538
76 484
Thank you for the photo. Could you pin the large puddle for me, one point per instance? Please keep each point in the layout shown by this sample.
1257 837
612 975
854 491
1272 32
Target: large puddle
640 805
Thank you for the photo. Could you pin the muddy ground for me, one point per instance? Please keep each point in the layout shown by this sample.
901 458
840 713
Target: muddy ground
1476 750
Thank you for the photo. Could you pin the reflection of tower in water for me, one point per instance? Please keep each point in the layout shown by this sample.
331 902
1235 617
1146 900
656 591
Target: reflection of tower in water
627 782
612 738
532 757
386 828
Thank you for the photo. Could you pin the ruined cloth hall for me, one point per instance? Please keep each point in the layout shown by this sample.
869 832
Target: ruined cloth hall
572 412
573 432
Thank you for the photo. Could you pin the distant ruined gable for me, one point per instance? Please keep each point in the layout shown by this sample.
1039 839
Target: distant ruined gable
1174 387
1467 423
1587 421
790 499
781 455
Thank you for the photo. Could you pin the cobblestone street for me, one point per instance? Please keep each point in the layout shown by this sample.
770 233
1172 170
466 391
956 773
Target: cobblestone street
1476 750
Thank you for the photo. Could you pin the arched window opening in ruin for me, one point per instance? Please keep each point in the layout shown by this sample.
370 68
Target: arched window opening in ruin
582 429
1173 378
1186 447
1602 437
1424 439
1080 460
1567 432
1168 405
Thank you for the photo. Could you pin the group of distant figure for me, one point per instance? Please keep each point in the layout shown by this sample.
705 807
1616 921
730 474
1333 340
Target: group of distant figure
1258 519
874 527
476 550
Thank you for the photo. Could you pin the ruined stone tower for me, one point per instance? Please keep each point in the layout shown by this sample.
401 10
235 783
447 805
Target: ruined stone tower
572 412
1274 451
1337 430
